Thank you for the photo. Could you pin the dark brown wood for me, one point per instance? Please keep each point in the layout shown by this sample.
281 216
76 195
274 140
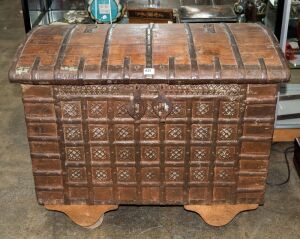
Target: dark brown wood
133 115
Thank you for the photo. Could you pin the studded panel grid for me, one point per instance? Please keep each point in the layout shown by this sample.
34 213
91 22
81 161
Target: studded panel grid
150 174
71 110
225 153
98 132
149 111
178 110
125 154
175 132
201 132
227 132
149 132
100 153
175 153
174 174
199 174
224 174
123 132
200 153
229 109
72 133
150 153
97 109
76 174
126 174
203 109
120 109
74 153
101 175
123 175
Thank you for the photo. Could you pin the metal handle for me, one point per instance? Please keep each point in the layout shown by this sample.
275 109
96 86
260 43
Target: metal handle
161 106
137 107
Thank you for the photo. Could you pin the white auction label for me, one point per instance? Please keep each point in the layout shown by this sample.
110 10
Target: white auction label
149 71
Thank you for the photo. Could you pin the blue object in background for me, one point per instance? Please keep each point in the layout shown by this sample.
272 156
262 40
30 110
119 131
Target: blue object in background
100 10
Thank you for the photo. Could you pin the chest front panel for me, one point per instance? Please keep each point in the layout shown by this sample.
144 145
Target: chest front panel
150 144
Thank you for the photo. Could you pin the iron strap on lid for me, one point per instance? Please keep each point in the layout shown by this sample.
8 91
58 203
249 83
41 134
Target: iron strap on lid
61 53
192 52
236 51
105 54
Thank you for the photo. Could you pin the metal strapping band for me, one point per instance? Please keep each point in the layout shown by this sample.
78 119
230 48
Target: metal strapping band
235 50
104 60
192 51
61 53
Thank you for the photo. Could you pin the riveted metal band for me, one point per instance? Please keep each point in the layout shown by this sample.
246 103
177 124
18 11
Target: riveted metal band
236 51
61 53
192 51
105 54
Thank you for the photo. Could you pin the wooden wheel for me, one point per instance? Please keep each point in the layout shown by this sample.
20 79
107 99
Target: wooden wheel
219 215
87 216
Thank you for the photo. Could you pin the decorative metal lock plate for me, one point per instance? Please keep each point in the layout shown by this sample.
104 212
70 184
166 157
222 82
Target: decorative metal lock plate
137 107
162 107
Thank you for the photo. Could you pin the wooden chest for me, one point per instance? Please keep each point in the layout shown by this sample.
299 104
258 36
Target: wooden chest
150 114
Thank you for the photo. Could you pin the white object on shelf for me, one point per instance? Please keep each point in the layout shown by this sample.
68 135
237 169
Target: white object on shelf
285 23
286 107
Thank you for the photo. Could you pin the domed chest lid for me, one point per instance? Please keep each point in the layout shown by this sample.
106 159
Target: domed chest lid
149 54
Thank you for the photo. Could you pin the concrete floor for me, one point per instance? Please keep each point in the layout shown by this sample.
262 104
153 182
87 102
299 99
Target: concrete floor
22 217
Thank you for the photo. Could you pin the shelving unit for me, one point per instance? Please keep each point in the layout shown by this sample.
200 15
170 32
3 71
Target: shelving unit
40 12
